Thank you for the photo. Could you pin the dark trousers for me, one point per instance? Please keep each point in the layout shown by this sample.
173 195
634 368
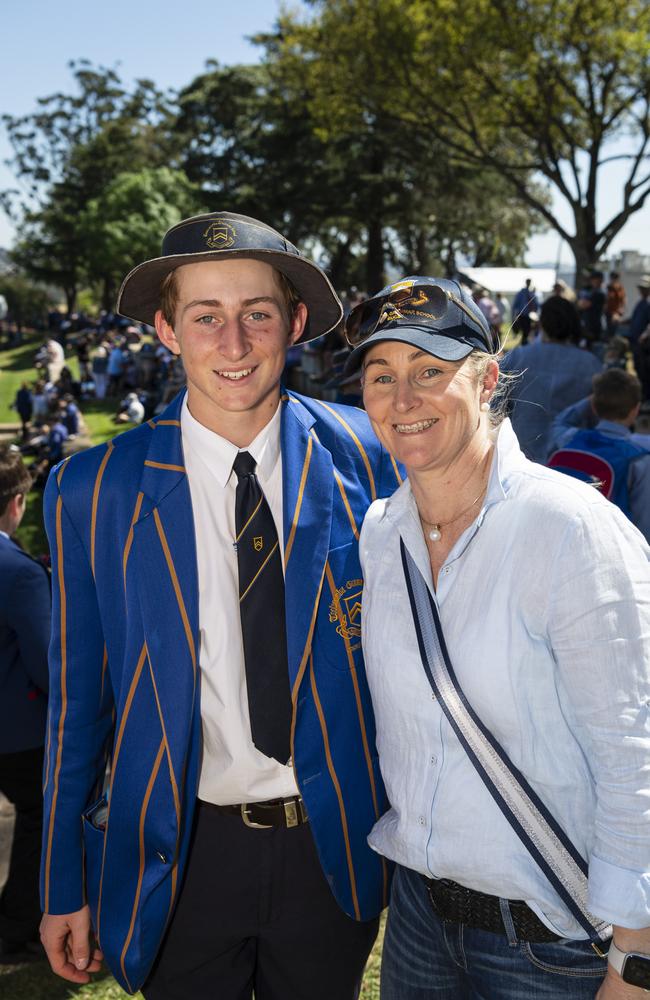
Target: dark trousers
256 916
21 781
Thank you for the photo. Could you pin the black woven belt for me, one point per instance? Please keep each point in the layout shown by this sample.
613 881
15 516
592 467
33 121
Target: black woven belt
459 905
262 815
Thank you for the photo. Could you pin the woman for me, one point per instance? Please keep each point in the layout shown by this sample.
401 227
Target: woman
543 593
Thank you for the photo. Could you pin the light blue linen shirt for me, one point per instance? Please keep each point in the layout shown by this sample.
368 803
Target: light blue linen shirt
545 605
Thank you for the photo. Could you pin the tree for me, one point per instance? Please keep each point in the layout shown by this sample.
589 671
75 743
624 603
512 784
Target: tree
66 153
123 225
518 88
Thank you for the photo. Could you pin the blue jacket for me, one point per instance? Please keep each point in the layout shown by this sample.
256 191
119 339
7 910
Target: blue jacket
24 637
125 673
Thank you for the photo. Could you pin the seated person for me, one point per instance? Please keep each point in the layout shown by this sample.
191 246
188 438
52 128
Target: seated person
606 455
131 410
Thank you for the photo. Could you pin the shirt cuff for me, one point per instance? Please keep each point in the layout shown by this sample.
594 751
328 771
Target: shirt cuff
619 895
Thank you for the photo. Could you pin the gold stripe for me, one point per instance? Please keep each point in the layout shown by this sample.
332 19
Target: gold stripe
64 699
152 424
362 452
337 787
59 475
250 519
104 663
47 753
305 654
143 816
301 490
259 571
167 423
172 777
116 753
177 589
129 537
163 465
348 509
362 721
93 517
396 470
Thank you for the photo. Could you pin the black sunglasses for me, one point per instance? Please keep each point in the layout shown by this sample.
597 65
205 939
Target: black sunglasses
424 304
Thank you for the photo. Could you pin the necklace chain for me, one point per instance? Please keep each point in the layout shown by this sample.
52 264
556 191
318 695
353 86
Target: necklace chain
436 526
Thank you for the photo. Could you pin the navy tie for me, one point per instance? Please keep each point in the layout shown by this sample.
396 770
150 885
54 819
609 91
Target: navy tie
263 622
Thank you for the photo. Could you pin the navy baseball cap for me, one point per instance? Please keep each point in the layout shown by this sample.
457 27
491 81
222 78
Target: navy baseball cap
437 315
222 236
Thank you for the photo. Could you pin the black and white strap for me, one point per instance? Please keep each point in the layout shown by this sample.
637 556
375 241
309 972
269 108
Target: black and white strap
546 842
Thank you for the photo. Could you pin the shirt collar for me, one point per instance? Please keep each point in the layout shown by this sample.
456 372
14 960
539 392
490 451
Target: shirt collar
613 429
218 454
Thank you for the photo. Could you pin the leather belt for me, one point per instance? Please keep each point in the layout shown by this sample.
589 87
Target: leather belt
264 815
460 905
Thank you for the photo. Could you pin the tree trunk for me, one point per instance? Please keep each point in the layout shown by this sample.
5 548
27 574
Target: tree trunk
375 256
108 293
70 298
339 264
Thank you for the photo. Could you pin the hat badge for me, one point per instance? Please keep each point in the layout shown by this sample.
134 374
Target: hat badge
220 235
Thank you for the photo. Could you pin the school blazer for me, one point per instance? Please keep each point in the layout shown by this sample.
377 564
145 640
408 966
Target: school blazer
125 679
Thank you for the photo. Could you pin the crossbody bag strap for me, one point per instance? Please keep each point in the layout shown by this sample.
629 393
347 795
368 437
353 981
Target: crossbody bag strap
537 829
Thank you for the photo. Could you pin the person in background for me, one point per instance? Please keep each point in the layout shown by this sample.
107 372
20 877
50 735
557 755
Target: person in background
24 637
131 410
524 302
639 334
614 303
591 306
552 373
607 455
541 589
24 407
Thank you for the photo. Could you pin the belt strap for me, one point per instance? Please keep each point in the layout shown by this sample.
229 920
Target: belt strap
537 829
264 815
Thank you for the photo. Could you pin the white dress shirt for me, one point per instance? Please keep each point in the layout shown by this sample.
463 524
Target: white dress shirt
232 769
545 605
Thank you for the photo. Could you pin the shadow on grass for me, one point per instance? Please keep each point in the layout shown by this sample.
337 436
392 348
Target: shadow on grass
22 358
37 982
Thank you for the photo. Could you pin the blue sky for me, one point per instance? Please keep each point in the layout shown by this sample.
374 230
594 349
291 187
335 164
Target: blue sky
170 43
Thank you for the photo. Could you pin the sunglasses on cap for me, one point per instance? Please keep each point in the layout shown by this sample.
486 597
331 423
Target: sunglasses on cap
417 304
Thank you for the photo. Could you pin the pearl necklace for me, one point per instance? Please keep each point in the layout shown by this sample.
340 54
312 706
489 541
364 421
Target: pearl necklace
436 526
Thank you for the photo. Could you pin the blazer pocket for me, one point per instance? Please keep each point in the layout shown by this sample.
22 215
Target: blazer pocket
94 835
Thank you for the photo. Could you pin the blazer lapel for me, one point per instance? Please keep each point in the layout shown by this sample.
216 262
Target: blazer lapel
164 555
308 480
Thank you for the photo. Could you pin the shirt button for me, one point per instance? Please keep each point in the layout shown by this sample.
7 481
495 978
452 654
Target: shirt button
433 697
433 759
421 820
447 569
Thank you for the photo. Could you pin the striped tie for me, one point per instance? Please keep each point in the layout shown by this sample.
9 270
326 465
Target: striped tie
261 607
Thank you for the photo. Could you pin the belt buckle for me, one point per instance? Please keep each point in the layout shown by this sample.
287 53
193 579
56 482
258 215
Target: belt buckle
291 813
247 822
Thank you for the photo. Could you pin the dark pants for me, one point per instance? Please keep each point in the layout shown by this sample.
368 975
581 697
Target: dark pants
21 781
256 915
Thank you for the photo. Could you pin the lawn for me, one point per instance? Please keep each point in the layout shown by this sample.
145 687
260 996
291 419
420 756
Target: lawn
35 981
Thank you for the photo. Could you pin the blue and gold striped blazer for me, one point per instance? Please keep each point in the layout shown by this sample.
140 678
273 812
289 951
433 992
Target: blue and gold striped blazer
125 676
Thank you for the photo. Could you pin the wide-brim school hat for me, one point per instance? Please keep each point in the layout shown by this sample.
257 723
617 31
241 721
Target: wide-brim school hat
436 315
227 236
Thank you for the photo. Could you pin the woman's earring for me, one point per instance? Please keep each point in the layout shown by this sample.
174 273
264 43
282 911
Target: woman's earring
485 407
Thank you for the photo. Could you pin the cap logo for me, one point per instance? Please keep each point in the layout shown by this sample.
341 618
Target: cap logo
220 235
